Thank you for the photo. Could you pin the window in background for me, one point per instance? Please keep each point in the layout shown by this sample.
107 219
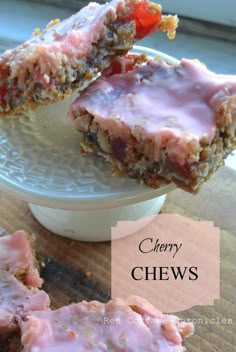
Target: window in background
209 10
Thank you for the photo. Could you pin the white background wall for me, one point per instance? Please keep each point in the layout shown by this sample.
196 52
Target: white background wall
223 12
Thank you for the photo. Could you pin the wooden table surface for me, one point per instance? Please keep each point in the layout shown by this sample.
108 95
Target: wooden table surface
76 270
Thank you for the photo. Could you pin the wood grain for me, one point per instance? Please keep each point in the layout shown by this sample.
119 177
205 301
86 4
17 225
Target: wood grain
78 270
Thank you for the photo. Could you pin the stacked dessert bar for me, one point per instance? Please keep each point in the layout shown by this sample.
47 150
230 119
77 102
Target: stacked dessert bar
159 122
70 54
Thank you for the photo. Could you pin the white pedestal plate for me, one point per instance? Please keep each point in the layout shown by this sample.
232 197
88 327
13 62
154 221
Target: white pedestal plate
71 195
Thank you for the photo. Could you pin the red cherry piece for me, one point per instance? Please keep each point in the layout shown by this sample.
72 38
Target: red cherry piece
115 68
131 65
121 66
147 17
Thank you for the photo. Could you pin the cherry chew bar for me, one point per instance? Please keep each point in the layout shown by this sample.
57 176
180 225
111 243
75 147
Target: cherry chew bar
133 325
19 282
16 300
69 54
159 122
18 258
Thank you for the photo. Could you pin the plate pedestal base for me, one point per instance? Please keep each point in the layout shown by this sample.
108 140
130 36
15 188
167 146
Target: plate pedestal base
93 225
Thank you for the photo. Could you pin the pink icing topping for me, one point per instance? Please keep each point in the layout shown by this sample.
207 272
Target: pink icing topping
77 33
16 257
71 39
172 105
101 327
17 299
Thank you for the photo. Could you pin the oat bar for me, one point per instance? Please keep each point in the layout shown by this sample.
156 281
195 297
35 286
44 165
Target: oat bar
133 325
160 122
70 54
